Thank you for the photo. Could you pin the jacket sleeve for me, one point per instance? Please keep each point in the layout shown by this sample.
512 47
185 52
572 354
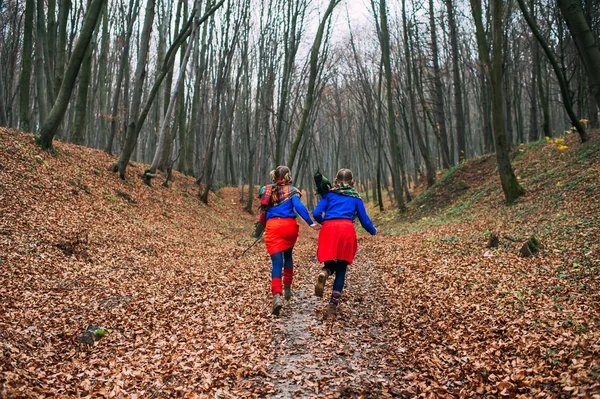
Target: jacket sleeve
364 219
320 208
301 210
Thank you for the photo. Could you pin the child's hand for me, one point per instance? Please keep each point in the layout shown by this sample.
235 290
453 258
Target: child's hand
315 226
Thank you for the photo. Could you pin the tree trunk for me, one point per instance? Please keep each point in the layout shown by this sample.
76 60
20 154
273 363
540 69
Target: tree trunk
25 78
510 185
102 81
80 124
314 58
430 168
57 113
40 75
584 40
51 46
291 40
485 108
114 120
546 129
458 102
534 128
61 49
440 116
395 153
162 148
136 98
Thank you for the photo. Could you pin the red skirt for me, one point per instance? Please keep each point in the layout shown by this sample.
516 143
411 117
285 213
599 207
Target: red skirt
337 241
281 234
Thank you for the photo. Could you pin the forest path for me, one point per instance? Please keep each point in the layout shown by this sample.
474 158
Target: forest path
314 354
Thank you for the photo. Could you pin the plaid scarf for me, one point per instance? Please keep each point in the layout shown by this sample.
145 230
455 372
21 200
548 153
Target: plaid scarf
345 189
276 194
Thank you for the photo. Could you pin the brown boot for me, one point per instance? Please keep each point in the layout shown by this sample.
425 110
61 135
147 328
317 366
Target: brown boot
277 303
320 284
287 292
331 310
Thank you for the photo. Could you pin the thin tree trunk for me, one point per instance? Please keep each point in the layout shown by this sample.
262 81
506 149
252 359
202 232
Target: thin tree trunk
391 116
80 124
25 79
584 40
57 113
510 185
440 116
314 58
136 98
535 128
40 75
133 7
162 147
458 102
102 79
291 41
61 50
430 168
546 129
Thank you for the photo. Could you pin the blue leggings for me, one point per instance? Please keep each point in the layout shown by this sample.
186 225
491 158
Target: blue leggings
282 261
339 268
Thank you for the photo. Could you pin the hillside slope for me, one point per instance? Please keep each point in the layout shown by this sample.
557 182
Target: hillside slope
473 320
78 246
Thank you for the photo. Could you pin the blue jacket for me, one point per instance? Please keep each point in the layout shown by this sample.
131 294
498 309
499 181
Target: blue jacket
338 206
288 209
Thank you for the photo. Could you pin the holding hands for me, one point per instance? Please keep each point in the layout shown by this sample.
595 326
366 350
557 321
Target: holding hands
315 226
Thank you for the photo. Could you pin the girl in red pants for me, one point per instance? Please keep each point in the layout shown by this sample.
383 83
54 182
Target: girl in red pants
337 238
279 204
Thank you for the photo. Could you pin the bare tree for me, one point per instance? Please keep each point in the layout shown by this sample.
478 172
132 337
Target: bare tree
564 90
314 58
384 40
493 68
26 66
50 125
585 41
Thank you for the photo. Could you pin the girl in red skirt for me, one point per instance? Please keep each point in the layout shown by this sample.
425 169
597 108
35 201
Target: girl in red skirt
279 204
337 238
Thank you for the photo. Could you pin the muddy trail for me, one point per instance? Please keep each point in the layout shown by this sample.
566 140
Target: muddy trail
428 310
342 355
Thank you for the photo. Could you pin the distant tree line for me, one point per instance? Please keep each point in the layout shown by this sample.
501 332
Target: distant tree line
225 90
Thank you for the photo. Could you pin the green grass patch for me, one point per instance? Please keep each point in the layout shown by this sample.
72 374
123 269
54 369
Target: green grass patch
587 152
465 205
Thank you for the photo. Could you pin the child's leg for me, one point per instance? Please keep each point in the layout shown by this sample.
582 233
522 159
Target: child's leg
338 283
277 266
288 267
330 267
325 272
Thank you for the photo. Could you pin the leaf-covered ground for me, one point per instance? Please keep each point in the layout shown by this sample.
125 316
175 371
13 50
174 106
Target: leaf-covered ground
428 310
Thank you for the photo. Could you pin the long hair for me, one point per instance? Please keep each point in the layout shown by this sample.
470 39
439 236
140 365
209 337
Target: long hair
281 174
344 176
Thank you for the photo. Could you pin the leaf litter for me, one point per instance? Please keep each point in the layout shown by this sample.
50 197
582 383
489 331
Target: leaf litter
428 310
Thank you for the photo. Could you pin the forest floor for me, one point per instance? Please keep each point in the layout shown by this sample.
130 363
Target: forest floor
427 311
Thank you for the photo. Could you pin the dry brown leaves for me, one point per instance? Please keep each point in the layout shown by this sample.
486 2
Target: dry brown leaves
185 318
426 311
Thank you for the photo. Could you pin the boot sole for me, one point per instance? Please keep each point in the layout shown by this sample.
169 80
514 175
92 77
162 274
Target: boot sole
320 285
